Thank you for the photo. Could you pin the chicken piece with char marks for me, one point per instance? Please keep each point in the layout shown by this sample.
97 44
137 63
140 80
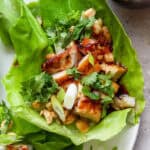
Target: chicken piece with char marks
89 109
61 61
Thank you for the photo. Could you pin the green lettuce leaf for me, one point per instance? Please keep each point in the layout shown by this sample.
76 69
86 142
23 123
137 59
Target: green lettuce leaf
20 21
50 141
6 139
122 47
40 88
22 127
106 129
12 128
73 147
29 42
34 8
7 18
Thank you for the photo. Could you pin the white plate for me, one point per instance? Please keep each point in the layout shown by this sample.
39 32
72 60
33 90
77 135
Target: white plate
123 141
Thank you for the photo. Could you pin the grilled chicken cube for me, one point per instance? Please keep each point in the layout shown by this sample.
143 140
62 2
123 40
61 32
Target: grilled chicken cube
109 58
82 125
115 70
115 86
97 26
86 45
61 61
123 101
106 34
89 13
70 118
48 115
85 66
50 55
48 106
88 109
37 105
95 68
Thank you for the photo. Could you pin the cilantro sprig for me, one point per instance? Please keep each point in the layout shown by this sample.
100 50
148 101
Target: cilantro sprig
58 32
74 72
87 92
82 29
90 79
39 88
98 82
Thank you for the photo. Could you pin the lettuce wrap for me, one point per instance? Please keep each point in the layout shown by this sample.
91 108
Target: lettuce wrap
15 132
13 128
30 44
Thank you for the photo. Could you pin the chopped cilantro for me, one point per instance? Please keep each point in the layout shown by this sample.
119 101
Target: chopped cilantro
101 83
87 92
74 72
82 28
58 32
104 84
39 88
78 30
89 79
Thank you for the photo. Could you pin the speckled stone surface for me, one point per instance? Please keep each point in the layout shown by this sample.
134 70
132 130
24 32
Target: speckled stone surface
137 24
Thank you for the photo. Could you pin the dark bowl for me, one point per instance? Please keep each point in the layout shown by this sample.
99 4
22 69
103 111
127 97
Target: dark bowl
134 3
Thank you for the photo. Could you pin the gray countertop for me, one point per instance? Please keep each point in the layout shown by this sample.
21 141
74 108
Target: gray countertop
137 24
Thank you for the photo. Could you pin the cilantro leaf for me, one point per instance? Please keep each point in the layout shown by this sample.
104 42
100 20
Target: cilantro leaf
87 92
99 82
74 72
89 79
108 90
58 31
104 84
78 31
81 29
39 88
